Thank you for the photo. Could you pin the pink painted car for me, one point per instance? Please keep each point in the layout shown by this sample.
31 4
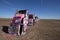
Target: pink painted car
18 24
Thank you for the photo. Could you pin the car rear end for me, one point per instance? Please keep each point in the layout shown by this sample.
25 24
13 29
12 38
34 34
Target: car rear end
30 20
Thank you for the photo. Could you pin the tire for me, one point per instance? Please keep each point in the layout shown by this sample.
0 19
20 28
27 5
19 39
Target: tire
33 22
21 29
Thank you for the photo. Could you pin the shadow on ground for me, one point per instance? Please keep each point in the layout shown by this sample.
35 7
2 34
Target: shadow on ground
5 29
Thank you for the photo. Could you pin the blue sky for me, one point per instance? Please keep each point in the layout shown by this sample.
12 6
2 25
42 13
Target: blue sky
44 9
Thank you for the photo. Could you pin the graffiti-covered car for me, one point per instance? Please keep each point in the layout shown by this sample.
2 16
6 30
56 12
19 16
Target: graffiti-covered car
31 19
19 22
36 19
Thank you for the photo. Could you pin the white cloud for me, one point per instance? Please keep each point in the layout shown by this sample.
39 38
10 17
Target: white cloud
9 4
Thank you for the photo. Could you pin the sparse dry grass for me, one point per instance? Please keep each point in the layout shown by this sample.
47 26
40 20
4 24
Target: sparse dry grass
42 30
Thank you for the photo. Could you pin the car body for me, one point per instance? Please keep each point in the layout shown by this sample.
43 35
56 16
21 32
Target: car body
31 18
36 19
18 22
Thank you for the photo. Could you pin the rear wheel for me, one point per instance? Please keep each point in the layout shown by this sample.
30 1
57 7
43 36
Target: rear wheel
33 22
21 29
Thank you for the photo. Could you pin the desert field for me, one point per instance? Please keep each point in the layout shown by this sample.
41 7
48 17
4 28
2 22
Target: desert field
42 30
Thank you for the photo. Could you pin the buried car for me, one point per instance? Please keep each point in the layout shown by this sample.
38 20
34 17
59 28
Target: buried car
31 19
18 24
36 19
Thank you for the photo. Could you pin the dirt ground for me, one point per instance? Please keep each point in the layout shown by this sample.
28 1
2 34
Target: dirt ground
42 30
